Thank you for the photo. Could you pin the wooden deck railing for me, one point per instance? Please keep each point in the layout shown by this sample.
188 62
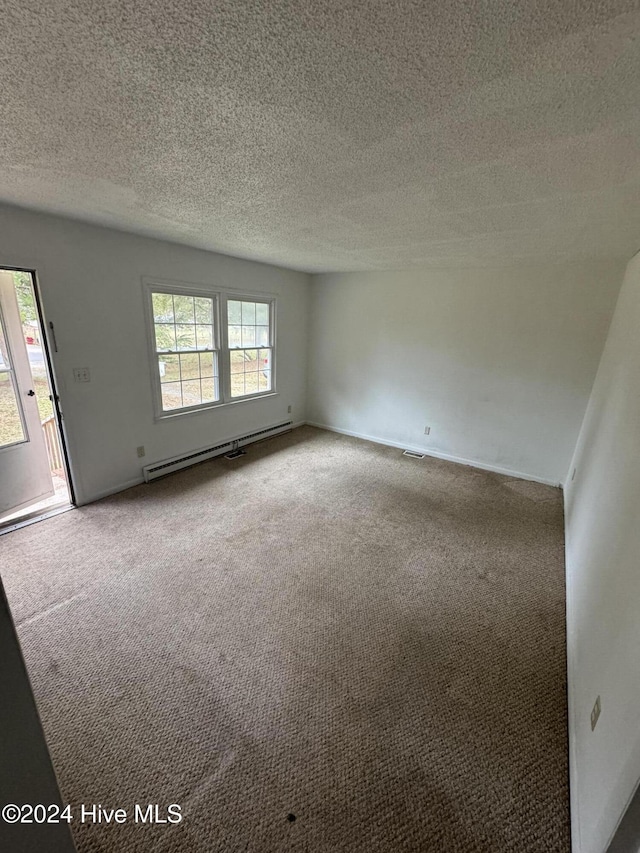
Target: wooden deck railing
53 447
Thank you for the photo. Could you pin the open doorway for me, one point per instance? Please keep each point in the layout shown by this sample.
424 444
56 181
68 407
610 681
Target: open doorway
33 467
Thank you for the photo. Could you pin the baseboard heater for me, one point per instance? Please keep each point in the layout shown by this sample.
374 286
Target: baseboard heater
168 466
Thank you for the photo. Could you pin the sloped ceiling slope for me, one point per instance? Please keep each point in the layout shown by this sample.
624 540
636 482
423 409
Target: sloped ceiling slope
331 134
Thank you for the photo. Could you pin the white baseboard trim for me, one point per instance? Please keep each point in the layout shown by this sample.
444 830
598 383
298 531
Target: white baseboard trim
472 463
137 481
112 490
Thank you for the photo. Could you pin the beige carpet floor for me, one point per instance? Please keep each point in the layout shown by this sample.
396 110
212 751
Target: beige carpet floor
322 629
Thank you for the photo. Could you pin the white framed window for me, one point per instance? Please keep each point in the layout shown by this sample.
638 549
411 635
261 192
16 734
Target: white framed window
208 349
249 344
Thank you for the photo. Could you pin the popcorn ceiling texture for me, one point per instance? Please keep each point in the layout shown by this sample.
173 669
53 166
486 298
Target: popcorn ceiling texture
331 135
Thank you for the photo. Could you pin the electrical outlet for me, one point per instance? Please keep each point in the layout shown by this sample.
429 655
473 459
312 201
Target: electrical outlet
81 374
595 713
289 409
140 450
427 430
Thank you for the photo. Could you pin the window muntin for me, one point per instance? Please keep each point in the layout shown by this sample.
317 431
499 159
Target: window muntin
200 359
250 344
186 349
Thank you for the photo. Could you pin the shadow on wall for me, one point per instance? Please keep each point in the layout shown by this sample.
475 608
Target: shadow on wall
603 584
627 838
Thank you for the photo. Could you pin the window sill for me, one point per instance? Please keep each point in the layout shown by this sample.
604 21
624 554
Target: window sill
165 416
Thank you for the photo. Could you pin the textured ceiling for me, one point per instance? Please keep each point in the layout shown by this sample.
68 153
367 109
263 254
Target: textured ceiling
331 134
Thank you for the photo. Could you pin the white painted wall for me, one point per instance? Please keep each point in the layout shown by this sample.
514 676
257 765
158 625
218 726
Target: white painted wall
498 362
602 508
90 280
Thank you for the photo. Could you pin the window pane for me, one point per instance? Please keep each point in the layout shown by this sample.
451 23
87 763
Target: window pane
235 336
185 324
251 362
234 313
237 384
185 337
184 308
171 396
248 336
204 313
165 337
262 314
250 371
262 336
190 366
191 394
264 380
204 337
251 383
264 356
163 308
5 361
206 364
10 422
210 390
237 361
248 313
169 368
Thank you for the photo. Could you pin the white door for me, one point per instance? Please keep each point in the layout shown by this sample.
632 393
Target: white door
25 474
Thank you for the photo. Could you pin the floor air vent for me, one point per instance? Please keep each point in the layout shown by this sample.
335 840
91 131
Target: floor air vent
168 466
413 454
